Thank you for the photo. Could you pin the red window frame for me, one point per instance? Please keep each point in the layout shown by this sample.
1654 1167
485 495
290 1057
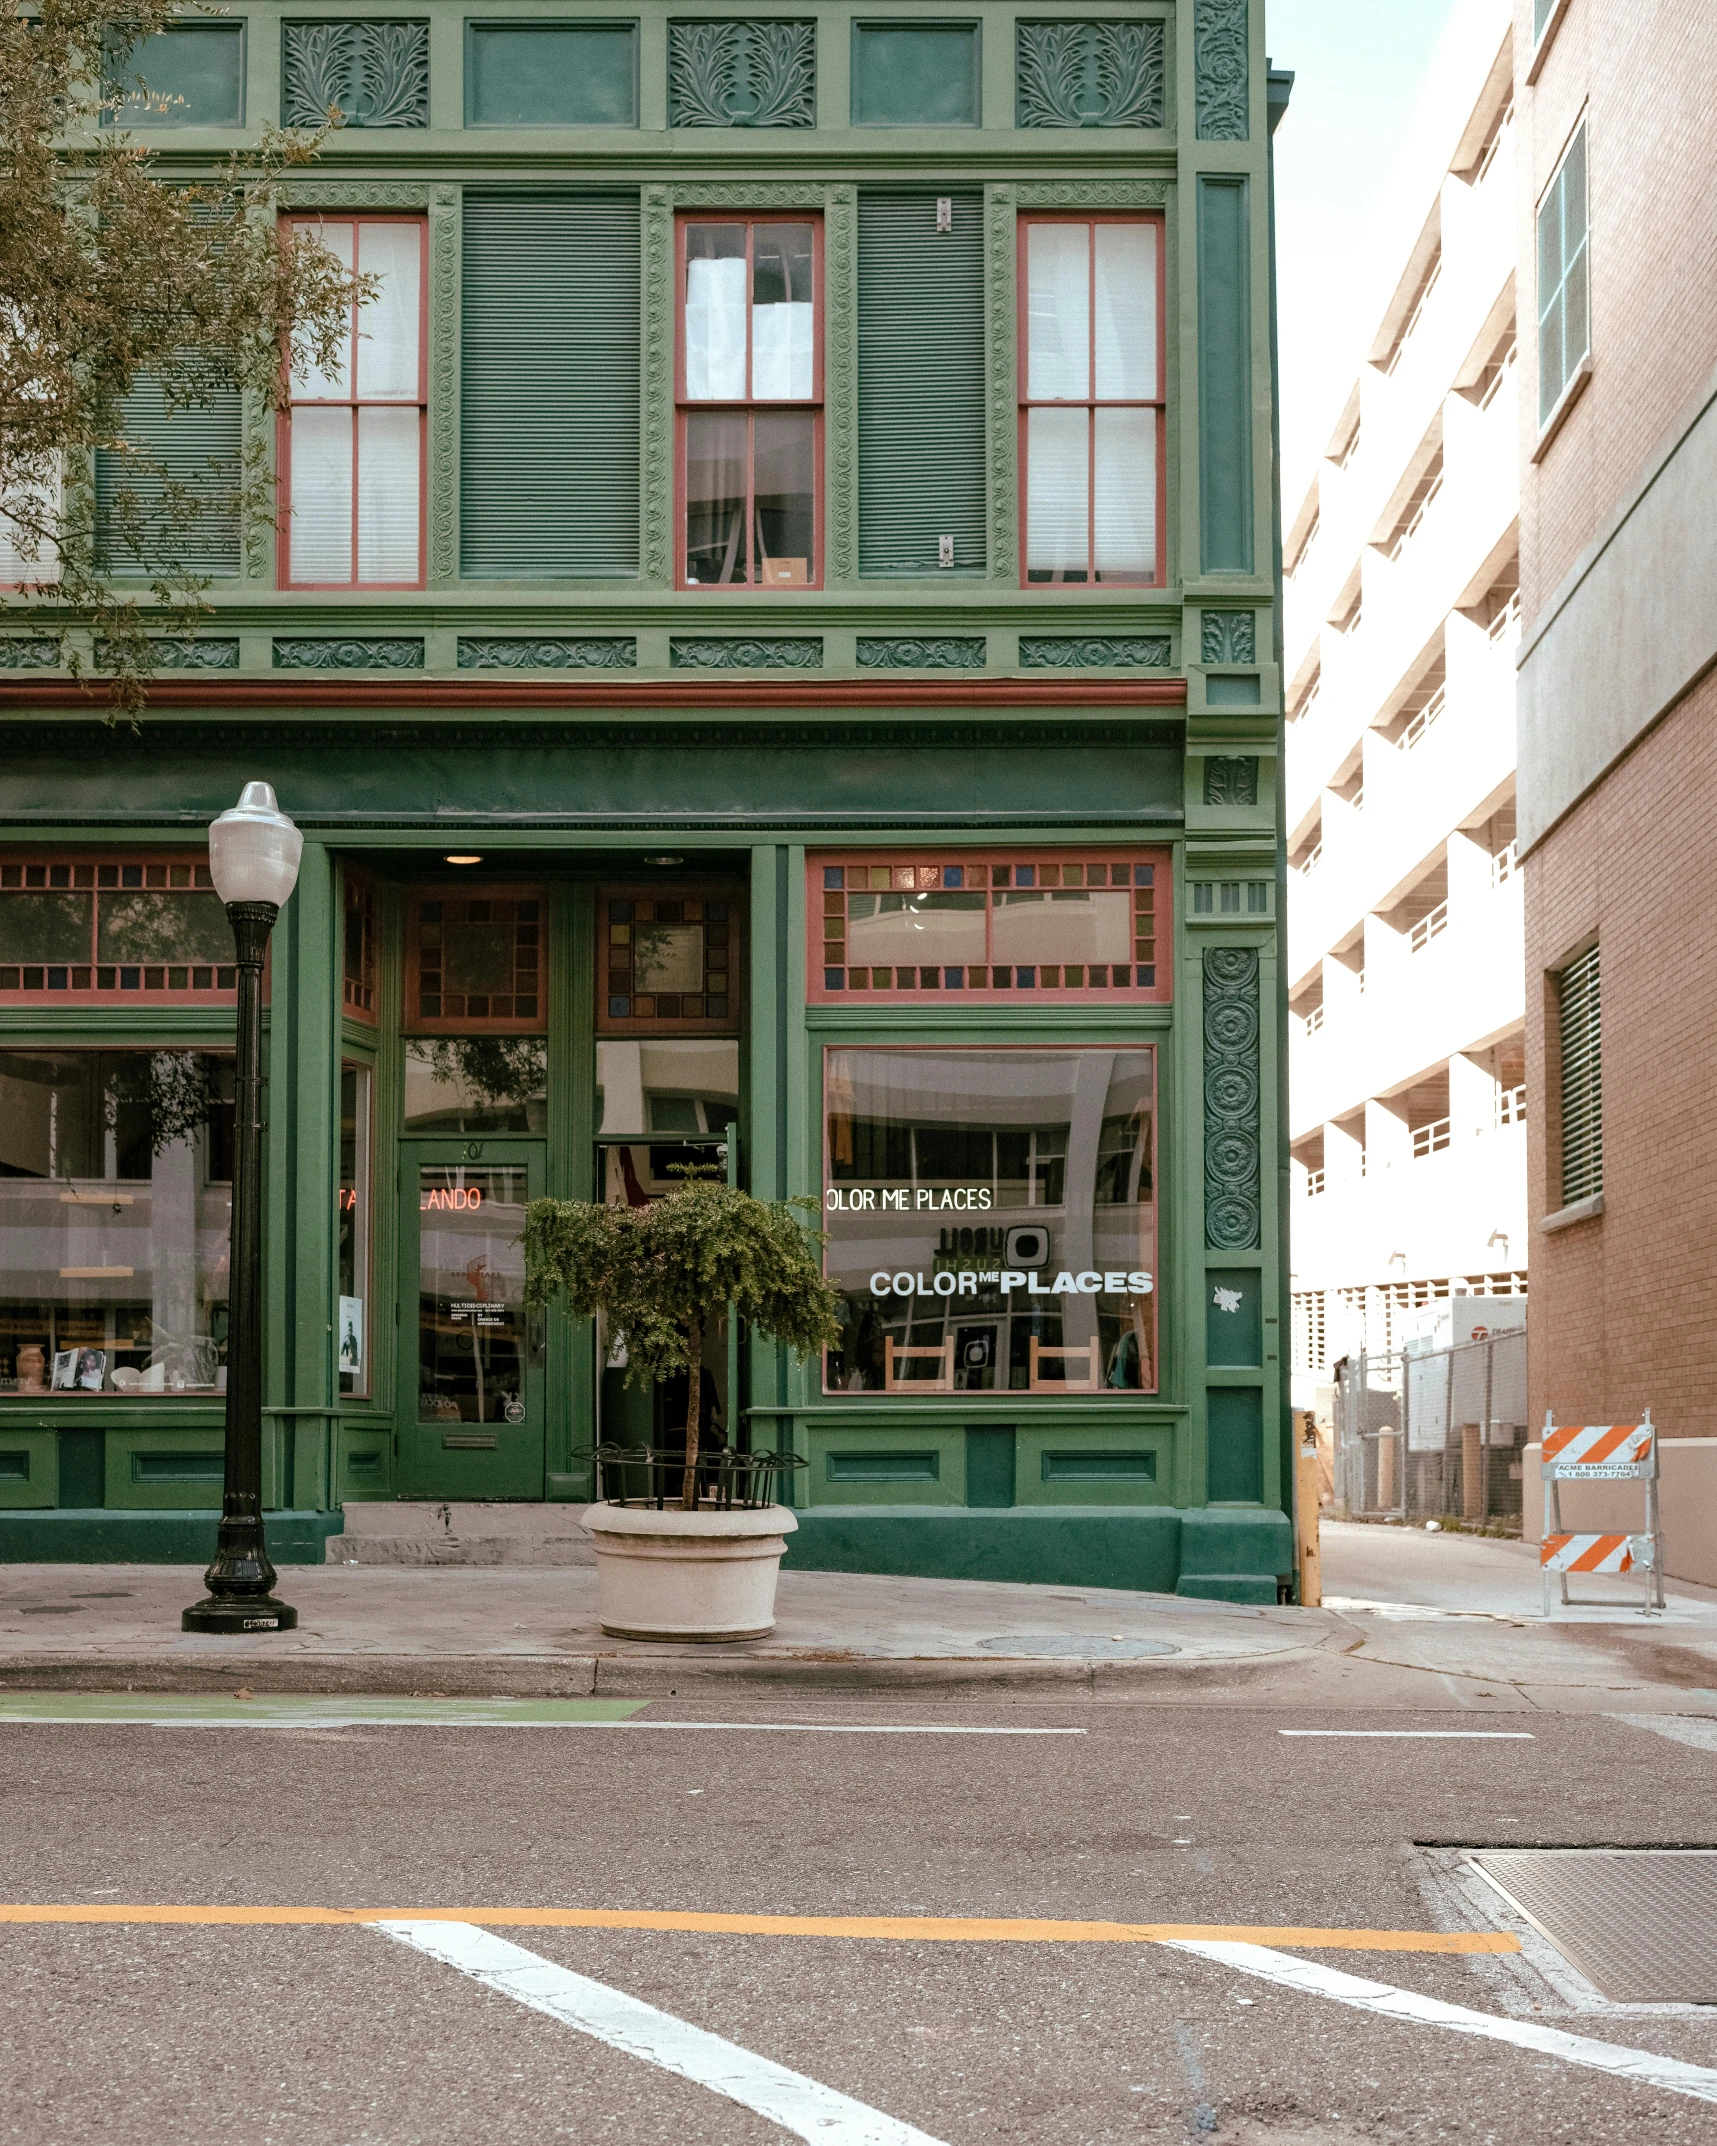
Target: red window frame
921 871
749 405
59 985
414 1021
1158 402
354 402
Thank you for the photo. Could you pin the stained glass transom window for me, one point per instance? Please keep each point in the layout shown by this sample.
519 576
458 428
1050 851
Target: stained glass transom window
668 959
998 928
153 929
476 961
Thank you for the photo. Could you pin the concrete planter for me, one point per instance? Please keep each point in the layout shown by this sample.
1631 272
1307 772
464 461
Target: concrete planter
674 1575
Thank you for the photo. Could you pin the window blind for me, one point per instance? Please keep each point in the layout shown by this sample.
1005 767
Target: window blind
1564 296
921 383
549 402
199 448
1582 1082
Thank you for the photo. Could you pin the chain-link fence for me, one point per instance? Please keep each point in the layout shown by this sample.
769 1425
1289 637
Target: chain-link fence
1432 1434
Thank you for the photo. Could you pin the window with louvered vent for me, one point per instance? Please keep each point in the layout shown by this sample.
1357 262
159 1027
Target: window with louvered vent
1580 1022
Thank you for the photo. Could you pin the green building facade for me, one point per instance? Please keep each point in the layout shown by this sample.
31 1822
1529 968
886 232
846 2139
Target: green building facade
770 641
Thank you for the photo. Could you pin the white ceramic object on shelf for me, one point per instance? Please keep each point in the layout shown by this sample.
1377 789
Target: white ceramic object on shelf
674 1575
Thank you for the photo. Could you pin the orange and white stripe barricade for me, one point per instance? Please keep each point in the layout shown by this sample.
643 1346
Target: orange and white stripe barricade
1600 1453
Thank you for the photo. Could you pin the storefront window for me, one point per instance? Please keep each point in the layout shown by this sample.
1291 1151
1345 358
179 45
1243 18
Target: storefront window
1064 929
149 933
689 1087
351 1327
471 1317
476 961
115 1211
991 1219
360 949
476 1084
670 961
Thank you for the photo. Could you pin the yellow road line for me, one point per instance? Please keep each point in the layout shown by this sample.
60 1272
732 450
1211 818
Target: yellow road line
942 1929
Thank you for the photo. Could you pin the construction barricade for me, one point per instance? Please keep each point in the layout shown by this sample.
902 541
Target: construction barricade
1600 1453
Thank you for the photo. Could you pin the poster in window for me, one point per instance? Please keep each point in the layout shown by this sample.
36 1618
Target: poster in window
352 1335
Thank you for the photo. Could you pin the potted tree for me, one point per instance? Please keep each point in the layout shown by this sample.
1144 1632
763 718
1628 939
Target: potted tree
663 1275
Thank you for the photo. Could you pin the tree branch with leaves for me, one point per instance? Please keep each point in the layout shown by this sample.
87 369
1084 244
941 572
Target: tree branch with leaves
116 277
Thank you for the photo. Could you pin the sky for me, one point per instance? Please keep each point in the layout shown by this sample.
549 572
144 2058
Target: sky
1357 67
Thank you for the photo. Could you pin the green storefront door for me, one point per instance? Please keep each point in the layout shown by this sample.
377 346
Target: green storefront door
471 1419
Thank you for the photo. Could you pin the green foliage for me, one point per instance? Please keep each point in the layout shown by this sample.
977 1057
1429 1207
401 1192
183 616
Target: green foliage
663 1273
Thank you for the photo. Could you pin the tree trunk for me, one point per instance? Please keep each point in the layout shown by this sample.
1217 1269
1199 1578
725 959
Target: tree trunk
694 1399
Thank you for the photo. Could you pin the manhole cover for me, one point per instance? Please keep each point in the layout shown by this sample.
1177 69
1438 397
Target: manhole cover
1639 1923
1078 1644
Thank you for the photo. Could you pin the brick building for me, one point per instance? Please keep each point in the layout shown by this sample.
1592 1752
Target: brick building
1617 754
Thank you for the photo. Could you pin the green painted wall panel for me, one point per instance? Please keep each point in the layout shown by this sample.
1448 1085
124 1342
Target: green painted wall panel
28 1469
549 397
1233 1316
915 74
921 383
1225 418
551 74
990 1468
1235 1437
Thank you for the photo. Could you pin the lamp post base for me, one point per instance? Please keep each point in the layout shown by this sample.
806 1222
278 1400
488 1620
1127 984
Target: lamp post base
258 1613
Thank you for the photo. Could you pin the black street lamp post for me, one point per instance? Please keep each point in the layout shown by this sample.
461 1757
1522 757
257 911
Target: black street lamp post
253 858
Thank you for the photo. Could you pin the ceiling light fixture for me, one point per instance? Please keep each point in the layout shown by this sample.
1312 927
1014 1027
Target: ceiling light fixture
462 857
664 860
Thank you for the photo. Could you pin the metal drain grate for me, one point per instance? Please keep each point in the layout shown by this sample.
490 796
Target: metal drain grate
1639 1923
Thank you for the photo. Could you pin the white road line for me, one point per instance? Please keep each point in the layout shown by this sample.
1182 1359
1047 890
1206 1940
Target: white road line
389 1721
1495 1736
787 2098
1411 2009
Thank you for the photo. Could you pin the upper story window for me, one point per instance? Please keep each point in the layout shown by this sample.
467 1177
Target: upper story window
750 383
1091 399
352 442
189 75
1579 1015
1564 292
149 932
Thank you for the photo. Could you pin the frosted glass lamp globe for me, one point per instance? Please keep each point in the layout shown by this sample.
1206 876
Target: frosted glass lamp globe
254 850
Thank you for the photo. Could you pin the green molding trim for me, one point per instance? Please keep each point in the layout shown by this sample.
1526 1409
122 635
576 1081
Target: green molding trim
1221 67
358 193
742 74
1088 74
21 653
1231 781
1233 1179
338 654
377 73
180 652
1093 651
1093 193
804 654
840 382
656 302
1003 414
1228 637
940 652
446 241
560 652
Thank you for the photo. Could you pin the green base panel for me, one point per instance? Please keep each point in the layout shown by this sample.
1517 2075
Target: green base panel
68 1535
1154 1551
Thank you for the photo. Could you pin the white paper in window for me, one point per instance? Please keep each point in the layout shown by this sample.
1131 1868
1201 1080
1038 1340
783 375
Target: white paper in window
1126 492
1058 312
1126 312
715 331
320 530
308 380
781 353
387 326
1058 490
389 510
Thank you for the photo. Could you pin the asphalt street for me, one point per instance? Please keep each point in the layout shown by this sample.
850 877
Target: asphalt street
341 2035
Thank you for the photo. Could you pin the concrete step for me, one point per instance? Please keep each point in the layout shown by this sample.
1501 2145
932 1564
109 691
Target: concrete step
388 1533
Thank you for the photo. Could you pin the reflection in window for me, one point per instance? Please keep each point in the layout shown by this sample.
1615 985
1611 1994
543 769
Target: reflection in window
476 959
471 1295
476 1084
991 1220
155 929
689 1087
352 1344
115 1209
669 960
360 948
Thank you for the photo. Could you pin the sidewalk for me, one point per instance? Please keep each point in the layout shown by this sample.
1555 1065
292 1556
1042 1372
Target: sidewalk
1416 1622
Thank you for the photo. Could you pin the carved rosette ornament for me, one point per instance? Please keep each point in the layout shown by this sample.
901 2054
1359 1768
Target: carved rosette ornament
330 653
1233 1178
685 654
1091 651
941 652
566 652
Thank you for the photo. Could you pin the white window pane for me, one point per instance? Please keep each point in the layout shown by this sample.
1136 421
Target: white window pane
389 510
1063 927
781 352
917 928
320 530
1058 312
308 380
387 326
1126 312
1057 492
1126 494
715 331
29 557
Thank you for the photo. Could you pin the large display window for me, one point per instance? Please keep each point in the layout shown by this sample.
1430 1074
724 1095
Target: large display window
991 1219
115 1212
113 930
